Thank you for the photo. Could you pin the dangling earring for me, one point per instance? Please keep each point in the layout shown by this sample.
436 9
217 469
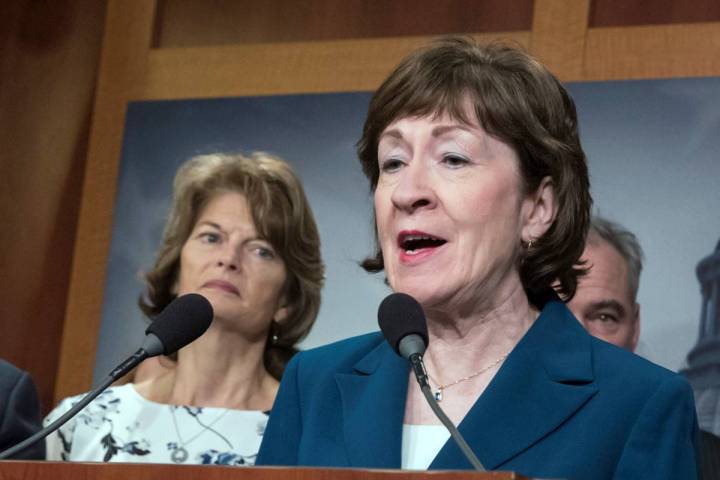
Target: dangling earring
527 246
273 332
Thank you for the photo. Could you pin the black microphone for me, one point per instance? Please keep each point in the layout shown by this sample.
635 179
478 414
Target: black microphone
402 322
182 321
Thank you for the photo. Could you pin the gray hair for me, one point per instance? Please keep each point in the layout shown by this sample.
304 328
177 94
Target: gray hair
626 244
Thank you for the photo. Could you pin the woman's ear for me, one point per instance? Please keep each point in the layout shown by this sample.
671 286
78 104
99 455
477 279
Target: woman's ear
282 312
281 315
539 211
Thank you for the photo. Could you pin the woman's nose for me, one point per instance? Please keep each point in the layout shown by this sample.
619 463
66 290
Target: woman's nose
229 258
414 190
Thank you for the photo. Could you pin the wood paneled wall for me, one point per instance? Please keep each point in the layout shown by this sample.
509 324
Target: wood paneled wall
50 55
190 23
53 272
627 13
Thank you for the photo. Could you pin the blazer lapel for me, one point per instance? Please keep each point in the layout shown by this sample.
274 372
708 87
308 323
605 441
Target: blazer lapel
543 382
373 402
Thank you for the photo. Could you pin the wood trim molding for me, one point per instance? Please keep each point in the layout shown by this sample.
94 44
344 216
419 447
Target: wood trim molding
282 68
126 43
662 51
558 36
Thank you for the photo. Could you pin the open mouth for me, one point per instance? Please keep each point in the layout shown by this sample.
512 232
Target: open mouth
415 242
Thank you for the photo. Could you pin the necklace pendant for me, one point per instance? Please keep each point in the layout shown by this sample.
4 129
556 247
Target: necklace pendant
179 455
439 395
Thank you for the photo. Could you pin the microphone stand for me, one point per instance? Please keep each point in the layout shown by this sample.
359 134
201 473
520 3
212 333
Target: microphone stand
416 360
192 311
130 363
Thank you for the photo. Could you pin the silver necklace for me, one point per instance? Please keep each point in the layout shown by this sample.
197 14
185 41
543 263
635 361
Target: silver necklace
439 393
179 453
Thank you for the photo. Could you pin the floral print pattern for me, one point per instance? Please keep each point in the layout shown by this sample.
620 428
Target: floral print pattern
121 426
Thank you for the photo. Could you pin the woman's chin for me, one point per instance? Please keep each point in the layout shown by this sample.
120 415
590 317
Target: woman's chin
423 292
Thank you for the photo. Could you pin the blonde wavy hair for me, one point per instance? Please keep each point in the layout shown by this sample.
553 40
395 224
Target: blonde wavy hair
282 216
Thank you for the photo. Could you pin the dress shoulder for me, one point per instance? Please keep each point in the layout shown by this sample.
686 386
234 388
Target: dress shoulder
122 426
60 444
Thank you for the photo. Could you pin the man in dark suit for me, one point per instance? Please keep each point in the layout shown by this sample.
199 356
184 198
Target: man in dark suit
19 411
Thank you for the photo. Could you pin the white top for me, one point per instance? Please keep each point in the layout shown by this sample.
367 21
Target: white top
421 444
122 426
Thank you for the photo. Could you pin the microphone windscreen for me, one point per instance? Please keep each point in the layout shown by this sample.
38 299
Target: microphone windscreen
182 321
400 315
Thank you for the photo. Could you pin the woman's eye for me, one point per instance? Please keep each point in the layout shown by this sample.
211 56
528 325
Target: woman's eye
391 165
209 237
454 161
264 252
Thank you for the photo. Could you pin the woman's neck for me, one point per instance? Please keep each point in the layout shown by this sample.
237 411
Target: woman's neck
466 350
220 369
464 342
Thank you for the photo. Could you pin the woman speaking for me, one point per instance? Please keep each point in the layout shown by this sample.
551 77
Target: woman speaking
240 233
482 206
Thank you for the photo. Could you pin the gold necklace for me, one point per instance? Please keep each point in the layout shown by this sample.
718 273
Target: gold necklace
441 388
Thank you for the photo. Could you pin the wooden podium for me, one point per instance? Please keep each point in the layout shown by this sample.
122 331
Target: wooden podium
19 470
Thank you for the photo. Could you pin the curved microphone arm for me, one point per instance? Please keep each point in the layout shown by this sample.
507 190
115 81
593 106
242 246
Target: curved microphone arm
118 372
416 360
461 443
404 326
181 322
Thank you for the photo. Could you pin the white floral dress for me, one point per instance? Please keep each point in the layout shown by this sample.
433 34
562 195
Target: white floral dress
122 426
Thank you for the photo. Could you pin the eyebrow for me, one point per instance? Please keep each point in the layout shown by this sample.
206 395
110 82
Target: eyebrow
218 227
436 132
209 223
608 304
442 129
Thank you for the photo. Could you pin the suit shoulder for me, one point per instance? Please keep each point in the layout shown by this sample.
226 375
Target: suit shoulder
616 364
339 356
12 379
8 372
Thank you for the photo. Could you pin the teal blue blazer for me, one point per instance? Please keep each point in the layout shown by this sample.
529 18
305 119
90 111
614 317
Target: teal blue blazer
564 405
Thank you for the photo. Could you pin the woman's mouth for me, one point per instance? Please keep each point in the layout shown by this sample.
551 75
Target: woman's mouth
222 285
415 245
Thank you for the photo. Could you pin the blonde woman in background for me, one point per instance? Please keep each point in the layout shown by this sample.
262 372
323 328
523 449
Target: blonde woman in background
240 233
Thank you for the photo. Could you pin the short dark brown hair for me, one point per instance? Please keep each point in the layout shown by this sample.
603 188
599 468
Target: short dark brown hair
282 216
517 100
